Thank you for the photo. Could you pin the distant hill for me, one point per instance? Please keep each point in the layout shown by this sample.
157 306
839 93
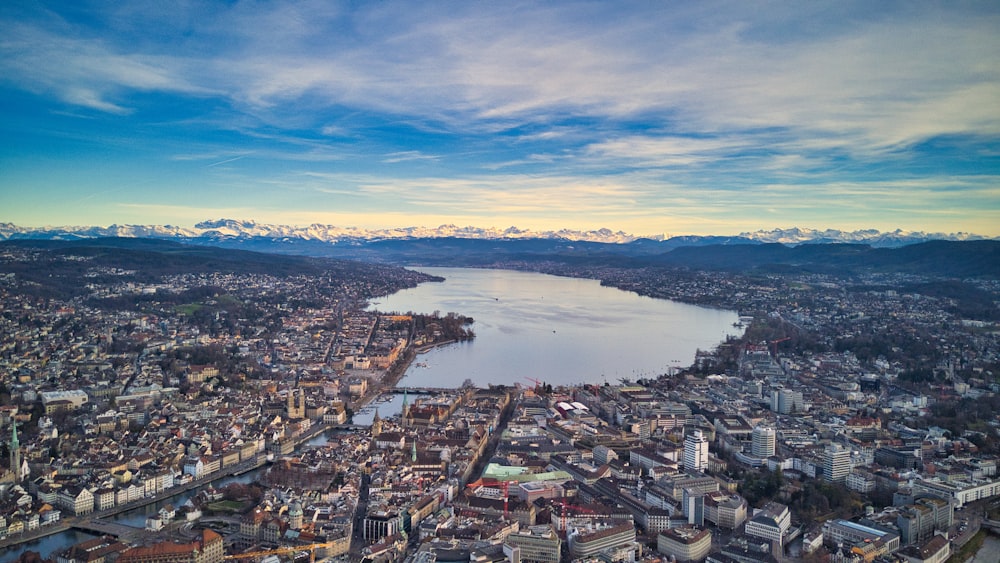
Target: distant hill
936 258
263 251
63 268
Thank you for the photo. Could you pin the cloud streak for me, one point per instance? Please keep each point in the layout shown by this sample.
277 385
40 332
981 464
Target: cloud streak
535 111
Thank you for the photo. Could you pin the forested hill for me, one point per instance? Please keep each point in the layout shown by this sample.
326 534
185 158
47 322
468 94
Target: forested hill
936 258
64 268
980 258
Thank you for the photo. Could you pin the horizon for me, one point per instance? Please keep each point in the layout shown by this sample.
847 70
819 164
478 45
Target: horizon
711 119
421 231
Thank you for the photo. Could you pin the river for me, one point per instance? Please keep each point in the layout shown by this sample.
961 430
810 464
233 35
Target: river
136 517
558 330
989 552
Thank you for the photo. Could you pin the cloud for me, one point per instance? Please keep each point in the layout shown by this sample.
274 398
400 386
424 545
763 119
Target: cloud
84 72
637 110
888 80
408 156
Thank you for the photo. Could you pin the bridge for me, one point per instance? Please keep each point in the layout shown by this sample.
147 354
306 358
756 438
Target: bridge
105 527
421 390
991 525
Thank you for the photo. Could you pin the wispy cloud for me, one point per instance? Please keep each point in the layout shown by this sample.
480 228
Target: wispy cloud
581 109
407 156
226 161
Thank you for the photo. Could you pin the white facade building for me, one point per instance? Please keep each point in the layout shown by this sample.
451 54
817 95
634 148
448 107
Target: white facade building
695 452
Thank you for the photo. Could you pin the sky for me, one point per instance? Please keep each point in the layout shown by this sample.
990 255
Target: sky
647 117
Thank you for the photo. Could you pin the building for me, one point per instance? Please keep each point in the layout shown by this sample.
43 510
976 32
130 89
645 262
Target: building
763 441
537 544
207 549
695 452
17 472
770 523
959 492
868 542
936 550
836 463
786 401
76 499
725 510
61 401
97 550
861 481
296 404
380 525
591 541
684 544
918 522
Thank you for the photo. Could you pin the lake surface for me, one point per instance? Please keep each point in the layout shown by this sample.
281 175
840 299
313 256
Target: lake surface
558 330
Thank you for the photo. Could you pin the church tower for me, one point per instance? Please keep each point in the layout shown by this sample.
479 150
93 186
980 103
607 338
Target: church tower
406 410
296 404
376 424
15 453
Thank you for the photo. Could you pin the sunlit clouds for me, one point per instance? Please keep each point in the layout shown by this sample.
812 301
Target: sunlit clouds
706 118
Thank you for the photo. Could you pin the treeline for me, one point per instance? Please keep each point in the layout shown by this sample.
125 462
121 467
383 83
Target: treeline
808 499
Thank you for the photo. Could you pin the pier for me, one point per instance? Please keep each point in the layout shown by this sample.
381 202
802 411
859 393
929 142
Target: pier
421 390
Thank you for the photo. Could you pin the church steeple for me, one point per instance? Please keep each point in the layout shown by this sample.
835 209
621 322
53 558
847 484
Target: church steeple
15 453
413 450
406 409
376 424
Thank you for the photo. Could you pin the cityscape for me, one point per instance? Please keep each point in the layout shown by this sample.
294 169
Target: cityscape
254 409
499 282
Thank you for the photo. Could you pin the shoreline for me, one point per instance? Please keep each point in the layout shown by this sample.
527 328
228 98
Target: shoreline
397 371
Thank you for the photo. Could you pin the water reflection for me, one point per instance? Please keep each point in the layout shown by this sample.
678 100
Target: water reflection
558 330
45 546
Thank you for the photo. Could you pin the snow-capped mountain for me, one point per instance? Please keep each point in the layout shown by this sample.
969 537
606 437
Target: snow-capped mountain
872 237
230 229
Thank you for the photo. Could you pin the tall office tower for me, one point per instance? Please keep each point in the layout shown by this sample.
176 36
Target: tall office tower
763 441
787 401
836 463
696 452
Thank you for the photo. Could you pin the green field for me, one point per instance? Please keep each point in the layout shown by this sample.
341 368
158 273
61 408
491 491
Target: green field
227 506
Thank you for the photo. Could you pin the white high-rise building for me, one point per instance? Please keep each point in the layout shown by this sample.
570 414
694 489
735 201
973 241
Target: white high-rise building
695 452
836 463
763 441
787 401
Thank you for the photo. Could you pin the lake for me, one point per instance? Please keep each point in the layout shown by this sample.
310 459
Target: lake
558 330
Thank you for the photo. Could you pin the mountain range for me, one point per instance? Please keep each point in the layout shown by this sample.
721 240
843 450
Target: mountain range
820 255
223 230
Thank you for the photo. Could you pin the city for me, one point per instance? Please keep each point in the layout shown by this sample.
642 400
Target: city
564 282
854 420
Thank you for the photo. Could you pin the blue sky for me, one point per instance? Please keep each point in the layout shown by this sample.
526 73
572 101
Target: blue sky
646 117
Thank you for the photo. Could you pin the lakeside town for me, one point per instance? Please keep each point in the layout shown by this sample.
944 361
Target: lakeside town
855 420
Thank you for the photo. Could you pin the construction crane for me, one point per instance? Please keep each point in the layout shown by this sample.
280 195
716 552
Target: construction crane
257 555
506 497
538 383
